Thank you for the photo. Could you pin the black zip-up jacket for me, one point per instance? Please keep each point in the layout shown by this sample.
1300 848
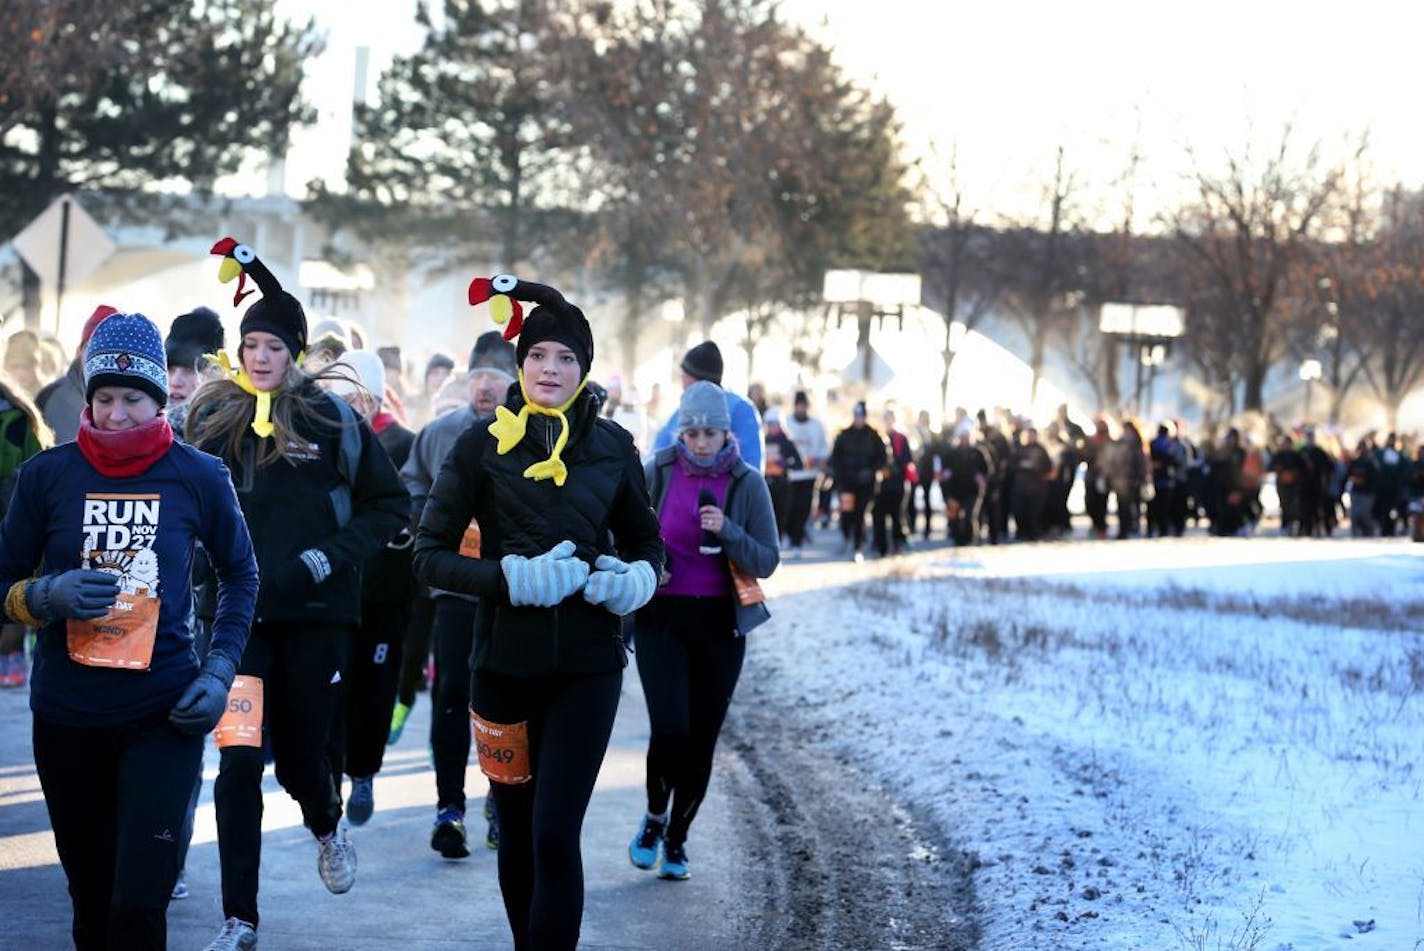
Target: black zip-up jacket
602 508
289 508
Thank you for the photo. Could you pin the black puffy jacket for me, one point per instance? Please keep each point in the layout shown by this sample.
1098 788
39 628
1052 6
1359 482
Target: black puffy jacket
289 508
602 507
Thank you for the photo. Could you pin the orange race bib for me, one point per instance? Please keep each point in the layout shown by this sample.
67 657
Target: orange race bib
748 589
470 541
123 638
503 749
241 725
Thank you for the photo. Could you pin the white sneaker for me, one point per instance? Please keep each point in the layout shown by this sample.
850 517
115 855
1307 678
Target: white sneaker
180 888
336 862
236 935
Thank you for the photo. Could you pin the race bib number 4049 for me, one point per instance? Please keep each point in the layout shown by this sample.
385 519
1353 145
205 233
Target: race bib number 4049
503 749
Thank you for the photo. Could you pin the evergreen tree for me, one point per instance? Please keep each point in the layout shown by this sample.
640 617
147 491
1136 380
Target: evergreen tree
134 96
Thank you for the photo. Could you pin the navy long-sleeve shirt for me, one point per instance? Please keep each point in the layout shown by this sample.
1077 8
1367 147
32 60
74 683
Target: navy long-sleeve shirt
68 515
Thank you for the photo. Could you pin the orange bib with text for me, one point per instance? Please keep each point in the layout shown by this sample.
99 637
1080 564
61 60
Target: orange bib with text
123 638
241 725
503 749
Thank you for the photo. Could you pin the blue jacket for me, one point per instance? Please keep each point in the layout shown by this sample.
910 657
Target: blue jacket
65 507
746 426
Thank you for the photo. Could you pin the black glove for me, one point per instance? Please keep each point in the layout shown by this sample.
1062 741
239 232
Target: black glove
296 576
204 701
80 593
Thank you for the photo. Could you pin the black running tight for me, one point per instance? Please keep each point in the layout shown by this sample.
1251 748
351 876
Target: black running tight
540 863
689 660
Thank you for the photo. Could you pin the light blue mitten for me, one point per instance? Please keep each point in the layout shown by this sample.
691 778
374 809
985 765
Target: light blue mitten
619 586
545 580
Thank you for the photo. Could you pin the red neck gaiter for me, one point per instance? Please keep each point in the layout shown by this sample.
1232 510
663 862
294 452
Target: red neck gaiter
125 452
382 421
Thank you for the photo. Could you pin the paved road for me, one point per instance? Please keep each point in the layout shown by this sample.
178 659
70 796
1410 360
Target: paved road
743 892
405 896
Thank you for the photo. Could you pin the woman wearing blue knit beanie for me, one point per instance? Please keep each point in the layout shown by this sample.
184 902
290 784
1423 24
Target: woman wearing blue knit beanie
120 700
320 497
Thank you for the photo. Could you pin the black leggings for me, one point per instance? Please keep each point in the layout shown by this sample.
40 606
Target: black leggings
368 692
416 650
454 635
298 662
540 863
798 509
116 799
853 521
689 660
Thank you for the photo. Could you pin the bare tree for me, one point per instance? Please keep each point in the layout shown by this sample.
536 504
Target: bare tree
1041 274
1249 228
955 266
1394 283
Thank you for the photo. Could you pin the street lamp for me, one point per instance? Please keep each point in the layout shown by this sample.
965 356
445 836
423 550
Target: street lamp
1148 330
1310 371
867 295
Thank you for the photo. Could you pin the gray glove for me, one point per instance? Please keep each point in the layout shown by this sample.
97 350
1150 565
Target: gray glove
545 580
205 700
80 593
621 587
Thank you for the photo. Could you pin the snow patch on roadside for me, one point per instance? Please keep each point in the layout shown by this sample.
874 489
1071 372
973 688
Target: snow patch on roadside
1134 760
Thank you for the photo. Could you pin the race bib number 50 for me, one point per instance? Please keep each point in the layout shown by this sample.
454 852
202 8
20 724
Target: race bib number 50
241 725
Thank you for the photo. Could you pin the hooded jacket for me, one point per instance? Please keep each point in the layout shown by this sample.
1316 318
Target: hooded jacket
602 508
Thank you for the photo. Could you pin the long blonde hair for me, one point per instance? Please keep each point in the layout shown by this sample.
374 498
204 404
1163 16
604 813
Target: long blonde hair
221 412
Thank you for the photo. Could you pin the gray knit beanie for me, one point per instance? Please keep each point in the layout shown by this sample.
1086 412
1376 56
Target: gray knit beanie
703 406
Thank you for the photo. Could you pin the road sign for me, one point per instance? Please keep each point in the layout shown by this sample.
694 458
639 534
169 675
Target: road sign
63 244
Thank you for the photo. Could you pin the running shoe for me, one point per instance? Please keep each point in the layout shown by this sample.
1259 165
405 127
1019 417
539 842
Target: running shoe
643 850
448 837
399 715
362 801
236 935
674 864
180 888
336 862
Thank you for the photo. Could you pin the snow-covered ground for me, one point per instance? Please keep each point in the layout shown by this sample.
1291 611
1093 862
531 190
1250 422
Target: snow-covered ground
1200 743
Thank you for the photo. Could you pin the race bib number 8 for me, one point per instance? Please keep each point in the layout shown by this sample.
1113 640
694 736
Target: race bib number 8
241 725
503 749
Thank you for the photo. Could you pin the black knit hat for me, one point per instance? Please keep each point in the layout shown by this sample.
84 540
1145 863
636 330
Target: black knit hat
562 324
491 351
191 335
282 317
704 362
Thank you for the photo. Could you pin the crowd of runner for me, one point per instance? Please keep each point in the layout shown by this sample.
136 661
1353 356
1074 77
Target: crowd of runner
282 549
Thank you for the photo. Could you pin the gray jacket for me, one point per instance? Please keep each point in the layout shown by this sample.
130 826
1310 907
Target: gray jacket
749 536
62 401
427 455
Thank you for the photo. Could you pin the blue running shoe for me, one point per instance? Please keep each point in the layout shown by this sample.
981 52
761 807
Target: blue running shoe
674 864
362 801
643 850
